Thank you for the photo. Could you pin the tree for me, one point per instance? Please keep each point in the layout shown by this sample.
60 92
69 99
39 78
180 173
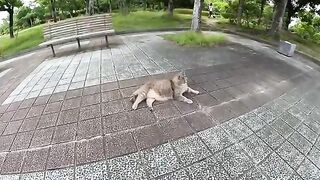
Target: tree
196 16
295 6
262 4
239 12
170 7
278 18
9 5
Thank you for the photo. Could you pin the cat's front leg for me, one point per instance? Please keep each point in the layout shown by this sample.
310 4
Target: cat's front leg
184 99
193 91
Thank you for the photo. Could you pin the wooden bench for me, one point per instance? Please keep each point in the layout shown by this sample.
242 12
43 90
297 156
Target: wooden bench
76 29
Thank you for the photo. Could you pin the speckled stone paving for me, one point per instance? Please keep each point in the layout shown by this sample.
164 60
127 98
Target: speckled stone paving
256 117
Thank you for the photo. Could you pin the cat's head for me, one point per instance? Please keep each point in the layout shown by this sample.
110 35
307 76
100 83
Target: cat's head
180 79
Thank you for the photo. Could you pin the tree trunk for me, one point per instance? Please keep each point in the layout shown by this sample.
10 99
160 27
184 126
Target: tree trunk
263 2
239 12
10 11
170 8
278 18
291 12
110 7
98 6
196 16
53 10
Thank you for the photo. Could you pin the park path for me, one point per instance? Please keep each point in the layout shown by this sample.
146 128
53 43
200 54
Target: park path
257 114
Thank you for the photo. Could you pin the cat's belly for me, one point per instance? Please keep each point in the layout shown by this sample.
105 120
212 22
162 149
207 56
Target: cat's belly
154 95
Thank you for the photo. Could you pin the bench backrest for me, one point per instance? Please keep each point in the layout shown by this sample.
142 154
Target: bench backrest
78 26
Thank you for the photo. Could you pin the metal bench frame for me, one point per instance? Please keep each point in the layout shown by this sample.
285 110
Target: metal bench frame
76 29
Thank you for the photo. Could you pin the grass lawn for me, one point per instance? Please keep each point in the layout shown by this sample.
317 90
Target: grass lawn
26 39
303 45
195 39
146 20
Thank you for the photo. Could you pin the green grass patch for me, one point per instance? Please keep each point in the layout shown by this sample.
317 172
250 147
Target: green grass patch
147 20
24 40
195 39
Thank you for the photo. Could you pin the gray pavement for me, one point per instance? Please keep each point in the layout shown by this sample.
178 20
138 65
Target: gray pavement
256 117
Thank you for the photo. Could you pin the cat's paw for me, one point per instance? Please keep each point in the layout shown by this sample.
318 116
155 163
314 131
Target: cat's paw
134 107
196 92
189 101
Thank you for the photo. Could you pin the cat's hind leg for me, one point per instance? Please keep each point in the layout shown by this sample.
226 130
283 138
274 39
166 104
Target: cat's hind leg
150 102
138 100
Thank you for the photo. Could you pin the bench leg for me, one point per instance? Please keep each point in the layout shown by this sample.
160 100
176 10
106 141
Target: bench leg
78 40
107 42
54 54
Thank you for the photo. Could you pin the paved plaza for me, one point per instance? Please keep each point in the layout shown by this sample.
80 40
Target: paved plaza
257 115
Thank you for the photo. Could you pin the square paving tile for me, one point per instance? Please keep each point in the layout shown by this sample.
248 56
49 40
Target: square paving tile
74 93
282 128
148 136
32 176
207 169
307 170
206 100
66 174
165 111
186 108
27 103
90 99
270 136
7 116
127 92
313 124
109 86
199 121
42 137
236 129
110 95
253 174
112 107
71 103
48 120
68 116
6 142
20 114
61 156
276 168
160 160
290 154
141 117
175 128
89 128
299 142
127 167
65 133
190 149
222 95
35 160
3 127
96 170
209 86
3 108
9 177
22 141
290 120
252 121
89 150
12 127
116 122
57 97
13 106
234 161
91 90
306 132
265 114
53 107
255 148
216 138
29 124
221 114
90 112
42 100
35 111
314 156
13 162
181 175
118 144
